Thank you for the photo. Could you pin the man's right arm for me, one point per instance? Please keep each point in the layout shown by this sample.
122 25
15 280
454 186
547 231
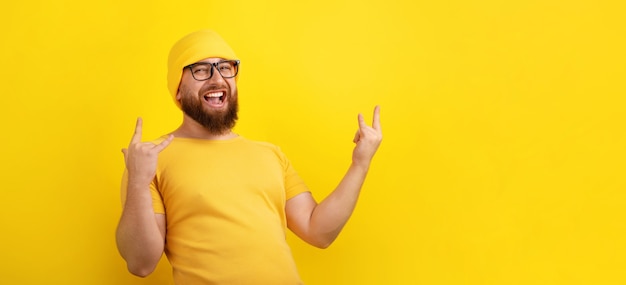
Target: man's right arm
140 234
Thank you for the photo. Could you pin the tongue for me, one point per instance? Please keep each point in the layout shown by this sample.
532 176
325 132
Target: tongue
215 100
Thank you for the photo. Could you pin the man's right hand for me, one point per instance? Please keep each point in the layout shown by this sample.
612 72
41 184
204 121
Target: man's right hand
141 157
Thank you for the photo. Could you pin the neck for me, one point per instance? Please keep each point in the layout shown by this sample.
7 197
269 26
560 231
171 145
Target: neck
192 129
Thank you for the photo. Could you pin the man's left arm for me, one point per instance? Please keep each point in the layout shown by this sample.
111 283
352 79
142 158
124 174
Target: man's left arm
320 224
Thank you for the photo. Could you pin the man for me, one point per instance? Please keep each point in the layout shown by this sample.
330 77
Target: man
216 203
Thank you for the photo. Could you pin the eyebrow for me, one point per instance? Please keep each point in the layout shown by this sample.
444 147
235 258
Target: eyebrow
220 60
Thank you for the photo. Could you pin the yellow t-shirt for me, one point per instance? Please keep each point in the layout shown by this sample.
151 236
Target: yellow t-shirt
224 202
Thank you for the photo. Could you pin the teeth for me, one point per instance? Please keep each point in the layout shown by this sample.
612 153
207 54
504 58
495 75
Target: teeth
216 94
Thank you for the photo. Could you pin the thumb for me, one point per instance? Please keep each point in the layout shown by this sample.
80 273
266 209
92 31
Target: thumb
357 136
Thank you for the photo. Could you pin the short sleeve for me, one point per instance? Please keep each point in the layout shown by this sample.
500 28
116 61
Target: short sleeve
294 184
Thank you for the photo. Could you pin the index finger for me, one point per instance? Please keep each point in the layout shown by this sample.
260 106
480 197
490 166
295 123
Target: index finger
376 120
137 135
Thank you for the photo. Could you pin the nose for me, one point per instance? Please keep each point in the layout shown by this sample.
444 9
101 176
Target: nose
215 81
216 75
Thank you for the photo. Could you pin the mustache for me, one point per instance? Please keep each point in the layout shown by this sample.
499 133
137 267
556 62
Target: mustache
213 87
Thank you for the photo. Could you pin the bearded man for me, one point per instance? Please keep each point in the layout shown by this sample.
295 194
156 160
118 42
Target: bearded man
217 204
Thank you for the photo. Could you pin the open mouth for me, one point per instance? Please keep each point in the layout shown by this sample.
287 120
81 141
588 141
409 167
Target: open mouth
215 98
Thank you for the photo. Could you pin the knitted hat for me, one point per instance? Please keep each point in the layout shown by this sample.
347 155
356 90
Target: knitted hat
191 49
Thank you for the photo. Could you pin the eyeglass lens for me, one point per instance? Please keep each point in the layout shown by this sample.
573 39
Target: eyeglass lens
204 71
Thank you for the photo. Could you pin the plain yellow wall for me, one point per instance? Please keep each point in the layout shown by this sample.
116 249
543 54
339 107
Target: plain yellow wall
504 153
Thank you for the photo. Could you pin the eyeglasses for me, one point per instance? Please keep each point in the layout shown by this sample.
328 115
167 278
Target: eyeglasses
204 70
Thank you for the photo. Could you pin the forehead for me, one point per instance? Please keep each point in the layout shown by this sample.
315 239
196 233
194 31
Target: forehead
211 60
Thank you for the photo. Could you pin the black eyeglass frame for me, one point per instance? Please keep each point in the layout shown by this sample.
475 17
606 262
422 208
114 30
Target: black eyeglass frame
214 66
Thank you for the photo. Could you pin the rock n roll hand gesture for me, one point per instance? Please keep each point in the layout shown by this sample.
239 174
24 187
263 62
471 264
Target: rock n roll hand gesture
367 140
141 157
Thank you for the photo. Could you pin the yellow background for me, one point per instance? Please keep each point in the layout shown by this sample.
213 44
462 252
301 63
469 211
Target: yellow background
502 162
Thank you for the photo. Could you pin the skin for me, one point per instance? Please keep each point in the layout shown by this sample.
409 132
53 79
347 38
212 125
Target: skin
141 233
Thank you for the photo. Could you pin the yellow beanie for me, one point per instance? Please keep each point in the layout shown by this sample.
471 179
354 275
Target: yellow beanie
191 49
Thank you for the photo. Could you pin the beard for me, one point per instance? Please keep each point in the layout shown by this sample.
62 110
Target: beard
217 122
